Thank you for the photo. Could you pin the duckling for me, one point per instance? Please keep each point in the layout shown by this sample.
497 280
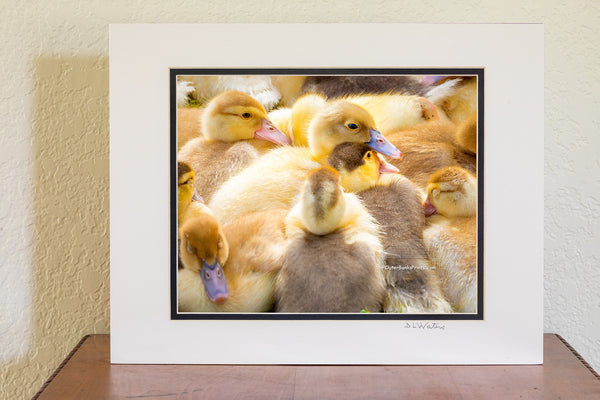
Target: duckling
395 202
276 178
203 251
189 203
359 166
333 259
454 191
451 208
235 132
429 147
241 278
391 112
412 283
456 97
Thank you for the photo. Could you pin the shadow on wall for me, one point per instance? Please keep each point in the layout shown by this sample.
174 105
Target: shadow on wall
70 165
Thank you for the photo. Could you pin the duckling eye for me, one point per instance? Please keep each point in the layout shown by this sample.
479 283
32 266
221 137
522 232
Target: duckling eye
368 154
246 115
352 126
189 247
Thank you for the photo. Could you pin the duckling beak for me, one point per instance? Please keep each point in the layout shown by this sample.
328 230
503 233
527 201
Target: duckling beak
386 167
429 208
269 132
380 144
197 197
214 281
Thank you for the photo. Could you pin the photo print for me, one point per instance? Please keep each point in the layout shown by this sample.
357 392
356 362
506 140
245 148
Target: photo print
327 194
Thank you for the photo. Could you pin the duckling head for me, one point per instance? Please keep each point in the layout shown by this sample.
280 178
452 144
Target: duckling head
322 201
204 250
358 165
343 121
233 116
185 187
451 192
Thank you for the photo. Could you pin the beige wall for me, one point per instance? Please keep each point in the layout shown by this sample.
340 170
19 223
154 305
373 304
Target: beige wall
54 248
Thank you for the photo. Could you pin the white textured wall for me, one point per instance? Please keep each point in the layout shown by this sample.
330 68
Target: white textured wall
54 166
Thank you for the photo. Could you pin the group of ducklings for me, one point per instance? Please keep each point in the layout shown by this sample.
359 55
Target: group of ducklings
299 210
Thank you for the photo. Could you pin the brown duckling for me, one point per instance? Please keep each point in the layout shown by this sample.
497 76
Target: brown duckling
234 268
396 203
333 261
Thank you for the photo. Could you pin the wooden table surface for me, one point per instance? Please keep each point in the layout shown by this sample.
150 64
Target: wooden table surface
88 374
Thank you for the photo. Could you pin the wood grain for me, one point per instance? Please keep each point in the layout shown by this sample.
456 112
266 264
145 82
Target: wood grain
88 374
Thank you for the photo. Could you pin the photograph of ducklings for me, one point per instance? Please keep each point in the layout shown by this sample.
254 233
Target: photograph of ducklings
327 194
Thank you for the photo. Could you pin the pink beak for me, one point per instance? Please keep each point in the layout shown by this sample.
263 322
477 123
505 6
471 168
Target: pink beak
270 133
429 208
386 167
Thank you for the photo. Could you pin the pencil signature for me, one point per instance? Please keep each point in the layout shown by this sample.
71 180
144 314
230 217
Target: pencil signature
424 325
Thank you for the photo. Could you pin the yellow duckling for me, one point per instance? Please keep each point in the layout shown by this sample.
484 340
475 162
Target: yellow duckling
235 132
451 207
189 203
396 203
274 180
295 121
456 97
231 269
359 166
390 112
333 261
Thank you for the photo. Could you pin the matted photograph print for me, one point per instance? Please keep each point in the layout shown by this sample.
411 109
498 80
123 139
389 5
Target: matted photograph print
329 194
